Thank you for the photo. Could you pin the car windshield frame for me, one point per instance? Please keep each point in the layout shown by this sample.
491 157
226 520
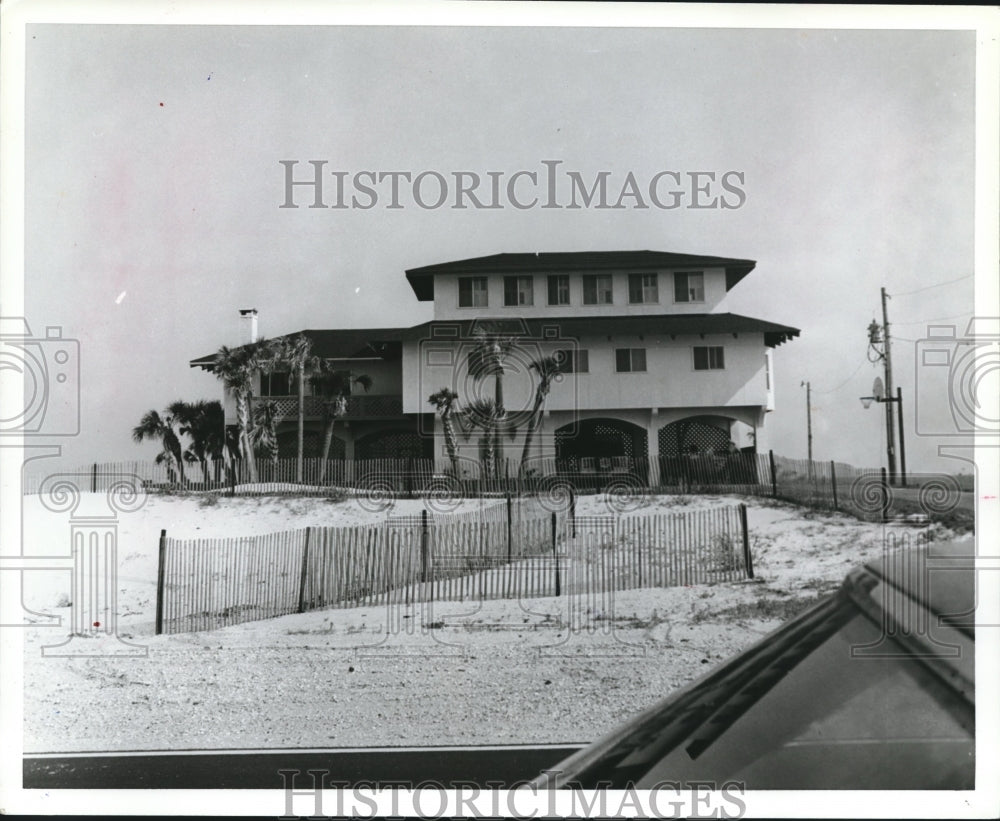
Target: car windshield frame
892 594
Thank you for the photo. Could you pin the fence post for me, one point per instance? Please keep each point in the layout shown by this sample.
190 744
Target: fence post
747 558
93 479
885 496
774 473
510 535
423 545
833 484
305 570
554 552
161 565
572 510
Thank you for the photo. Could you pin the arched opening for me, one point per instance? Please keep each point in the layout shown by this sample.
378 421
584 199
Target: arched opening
602 446
696 434
700 450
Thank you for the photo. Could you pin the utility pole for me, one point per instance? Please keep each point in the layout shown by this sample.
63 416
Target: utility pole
809 424
889 426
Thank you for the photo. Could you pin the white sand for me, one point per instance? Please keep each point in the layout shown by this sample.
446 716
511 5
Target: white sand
562 669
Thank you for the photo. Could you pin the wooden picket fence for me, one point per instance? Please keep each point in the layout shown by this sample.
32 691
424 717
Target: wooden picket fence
377 483
210 583
747 473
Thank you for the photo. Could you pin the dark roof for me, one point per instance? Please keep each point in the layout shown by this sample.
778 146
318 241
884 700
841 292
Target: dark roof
581 326
386 343
422 279
353 343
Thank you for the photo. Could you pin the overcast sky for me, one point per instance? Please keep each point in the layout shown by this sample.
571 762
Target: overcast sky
154 186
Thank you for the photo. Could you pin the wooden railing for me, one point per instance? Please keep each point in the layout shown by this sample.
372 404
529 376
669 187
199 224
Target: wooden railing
359 406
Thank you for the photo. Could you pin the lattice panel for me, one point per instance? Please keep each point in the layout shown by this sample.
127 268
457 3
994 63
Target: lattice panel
702 436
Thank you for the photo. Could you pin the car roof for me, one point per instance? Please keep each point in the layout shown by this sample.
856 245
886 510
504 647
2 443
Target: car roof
938 576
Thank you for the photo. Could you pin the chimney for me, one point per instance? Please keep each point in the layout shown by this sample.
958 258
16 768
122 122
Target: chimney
248 325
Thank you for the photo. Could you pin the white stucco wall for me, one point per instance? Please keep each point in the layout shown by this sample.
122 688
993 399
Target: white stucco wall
670 379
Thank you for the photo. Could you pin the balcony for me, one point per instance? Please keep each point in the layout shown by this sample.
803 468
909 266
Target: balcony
359 406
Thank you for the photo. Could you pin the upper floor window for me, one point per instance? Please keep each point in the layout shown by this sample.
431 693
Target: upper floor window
597 289
278 383
559 289
472 292
573 361
518 291
643 289
689 286
630 360
709 358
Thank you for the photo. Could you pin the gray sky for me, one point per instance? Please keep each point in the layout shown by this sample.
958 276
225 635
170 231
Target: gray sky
153 169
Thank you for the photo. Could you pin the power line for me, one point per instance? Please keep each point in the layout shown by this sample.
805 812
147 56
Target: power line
832 390
935 285
935 319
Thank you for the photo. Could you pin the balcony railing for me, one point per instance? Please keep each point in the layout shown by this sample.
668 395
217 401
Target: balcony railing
359 406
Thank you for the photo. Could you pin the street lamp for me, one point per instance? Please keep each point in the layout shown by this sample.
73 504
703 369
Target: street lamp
866 402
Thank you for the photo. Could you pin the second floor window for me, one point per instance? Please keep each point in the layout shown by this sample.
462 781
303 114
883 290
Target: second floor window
630 360
277 383
573 361
643 289
689 286
559 289
709 358
472 292
597 289
518 291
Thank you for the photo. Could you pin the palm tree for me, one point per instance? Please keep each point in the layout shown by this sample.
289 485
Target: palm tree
264 436
297 354
492 350
444 402
335 387
204 423
484 414
154 426
238 368
548 369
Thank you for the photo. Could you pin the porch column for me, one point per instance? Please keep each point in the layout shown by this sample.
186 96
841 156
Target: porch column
653 446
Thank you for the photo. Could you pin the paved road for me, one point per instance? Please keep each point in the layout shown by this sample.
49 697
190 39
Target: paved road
259 769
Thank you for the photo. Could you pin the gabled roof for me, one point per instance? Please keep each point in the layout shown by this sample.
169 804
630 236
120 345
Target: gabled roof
422 279
576 327
352 343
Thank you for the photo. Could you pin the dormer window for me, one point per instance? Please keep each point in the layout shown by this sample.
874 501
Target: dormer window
472 292
643 289
518 291
689 286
